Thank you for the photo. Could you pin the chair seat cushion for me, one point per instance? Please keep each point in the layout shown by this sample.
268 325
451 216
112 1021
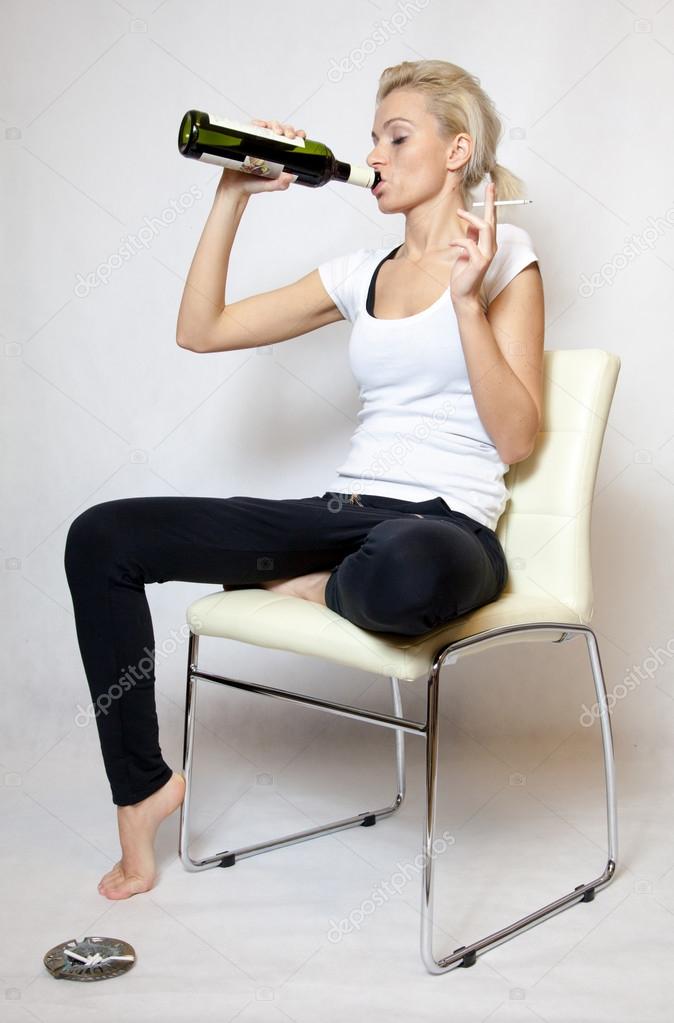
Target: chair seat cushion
282 622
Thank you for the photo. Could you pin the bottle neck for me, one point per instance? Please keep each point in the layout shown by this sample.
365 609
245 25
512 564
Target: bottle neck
341 170
355 174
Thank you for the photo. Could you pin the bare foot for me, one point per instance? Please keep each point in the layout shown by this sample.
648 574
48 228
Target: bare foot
308 587
138 824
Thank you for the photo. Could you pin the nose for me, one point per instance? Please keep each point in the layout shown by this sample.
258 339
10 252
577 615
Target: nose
373 160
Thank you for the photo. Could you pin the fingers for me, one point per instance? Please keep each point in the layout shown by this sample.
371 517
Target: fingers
281 129
489 208
464 245
473 217
489 199
284 180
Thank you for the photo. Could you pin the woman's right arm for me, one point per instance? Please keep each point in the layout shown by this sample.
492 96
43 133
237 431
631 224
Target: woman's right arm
205 322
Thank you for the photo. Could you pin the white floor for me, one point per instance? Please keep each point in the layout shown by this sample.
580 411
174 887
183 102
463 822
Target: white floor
524 824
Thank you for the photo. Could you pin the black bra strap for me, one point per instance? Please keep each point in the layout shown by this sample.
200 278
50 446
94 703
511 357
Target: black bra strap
369 303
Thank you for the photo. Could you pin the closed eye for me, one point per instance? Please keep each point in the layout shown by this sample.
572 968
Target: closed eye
396 142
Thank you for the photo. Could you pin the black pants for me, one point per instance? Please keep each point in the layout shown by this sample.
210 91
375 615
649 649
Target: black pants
396 566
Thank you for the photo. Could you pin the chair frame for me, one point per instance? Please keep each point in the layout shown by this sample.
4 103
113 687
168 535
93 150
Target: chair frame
465 955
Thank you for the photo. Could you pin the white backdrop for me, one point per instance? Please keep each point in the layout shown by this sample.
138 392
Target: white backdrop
98 402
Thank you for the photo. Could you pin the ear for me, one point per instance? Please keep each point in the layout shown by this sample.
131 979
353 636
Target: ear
460 151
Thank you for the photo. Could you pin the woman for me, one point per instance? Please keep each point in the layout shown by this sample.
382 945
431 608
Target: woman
447 349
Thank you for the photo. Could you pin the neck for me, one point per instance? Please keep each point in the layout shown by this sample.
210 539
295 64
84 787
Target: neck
431 225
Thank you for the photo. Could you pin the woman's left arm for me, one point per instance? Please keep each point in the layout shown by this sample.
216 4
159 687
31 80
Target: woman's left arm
503 348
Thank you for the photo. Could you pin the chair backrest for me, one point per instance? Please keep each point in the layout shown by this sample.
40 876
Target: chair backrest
545 528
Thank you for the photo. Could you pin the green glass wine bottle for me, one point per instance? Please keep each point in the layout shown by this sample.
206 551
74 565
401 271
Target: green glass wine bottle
256 150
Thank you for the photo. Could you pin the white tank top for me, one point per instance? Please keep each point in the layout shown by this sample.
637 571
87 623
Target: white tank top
419 434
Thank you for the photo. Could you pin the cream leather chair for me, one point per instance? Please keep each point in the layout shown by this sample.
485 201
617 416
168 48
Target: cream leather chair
547 524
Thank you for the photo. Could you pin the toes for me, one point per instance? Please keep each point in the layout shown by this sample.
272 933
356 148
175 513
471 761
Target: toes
131 886
112 876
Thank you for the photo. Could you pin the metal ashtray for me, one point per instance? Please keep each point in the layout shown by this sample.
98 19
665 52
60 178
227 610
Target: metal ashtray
90 959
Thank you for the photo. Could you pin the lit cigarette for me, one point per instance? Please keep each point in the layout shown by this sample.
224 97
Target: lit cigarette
506 202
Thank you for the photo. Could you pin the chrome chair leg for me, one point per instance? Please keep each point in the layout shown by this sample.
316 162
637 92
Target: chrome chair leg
227 858
466 955
188 747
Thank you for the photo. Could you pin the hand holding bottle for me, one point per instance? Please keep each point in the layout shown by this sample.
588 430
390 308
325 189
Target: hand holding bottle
250 183
274 153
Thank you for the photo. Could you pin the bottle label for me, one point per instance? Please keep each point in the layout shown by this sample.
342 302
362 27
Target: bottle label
256 129
250 165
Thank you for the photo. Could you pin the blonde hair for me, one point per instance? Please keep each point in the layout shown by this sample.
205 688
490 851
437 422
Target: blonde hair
459 104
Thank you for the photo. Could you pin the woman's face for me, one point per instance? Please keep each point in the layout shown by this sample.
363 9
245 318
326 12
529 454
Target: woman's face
409 154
